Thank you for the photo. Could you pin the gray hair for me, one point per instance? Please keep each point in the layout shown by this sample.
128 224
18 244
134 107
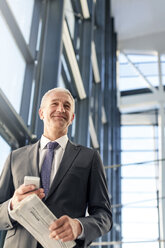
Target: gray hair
58 89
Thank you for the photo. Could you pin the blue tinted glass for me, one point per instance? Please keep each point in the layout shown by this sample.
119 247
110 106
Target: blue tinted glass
23 11
12 67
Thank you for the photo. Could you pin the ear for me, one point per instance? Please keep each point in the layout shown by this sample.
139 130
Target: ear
72 118
40 112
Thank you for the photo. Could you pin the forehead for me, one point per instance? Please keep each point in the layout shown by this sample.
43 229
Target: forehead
60 96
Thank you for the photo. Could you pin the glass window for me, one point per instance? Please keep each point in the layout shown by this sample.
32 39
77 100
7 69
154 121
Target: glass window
143 220
148 69
122 59
139 187
12 66
66 68
137 157
132 185
139 151
163 58
148 244
61 83
132 83
130 216
163 68
126 70
138 58
4 150
138 144
23 11
154 80
135 199
146 64
143 132
163 80
142 170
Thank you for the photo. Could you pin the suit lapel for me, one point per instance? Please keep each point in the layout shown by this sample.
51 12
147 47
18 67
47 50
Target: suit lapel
70 154
34 159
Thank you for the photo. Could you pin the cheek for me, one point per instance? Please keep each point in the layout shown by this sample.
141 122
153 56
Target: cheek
46 116
71 119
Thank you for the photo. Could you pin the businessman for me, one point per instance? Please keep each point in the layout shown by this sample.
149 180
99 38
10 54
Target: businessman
73 187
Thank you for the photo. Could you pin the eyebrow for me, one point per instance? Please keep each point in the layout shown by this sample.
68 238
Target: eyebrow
57 99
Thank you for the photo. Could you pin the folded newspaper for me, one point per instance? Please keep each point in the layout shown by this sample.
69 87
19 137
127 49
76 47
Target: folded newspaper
34 215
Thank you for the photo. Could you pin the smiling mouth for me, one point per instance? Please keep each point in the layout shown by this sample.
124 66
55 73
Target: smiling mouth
59 116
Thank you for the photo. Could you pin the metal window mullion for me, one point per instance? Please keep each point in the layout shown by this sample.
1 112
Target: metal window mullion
38 66
82 124
99 38
49 64
29 71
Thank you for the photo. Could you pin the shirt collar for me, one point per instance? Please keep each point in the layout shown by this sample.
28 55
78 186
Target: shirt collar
62 141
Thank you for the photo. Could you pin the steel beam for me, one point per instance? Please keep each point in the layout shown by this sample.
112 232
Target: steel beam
83 108
49 67
99 38
29 72
14 129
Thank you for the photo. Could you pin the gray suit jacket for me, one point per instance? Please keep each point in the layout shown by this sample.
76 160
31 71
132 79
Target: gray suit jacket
79 184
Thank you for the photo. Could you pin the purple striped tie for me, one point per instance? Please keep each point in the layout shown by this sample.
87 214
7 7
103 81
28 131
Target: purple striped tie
47 166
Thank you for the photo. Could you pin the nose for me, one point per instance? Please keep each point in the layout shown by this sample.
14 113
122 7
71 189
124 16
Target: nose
60 108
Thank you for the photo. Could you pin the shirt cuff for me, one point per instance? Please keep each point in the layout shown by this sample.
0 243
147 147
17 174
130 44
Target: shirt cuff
82 235
9 210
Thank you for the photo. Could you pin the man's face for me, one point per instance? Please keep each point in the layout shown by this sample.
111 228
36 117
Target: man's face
57 112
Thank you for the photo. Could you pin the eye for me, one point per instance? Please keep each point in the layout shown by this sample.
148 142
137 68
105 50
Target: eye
54 104
67 106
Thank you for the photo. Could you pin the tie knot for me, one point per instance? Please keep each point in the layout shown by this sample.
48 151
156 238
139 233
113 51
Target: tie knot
52 145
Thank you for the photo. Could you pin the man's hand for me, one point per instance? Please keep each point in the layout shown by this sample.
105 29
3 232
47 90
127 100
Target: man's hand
65 229
22 192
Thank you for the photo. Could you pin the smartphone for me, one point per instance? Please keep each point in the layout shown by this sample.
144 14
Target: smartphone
32 180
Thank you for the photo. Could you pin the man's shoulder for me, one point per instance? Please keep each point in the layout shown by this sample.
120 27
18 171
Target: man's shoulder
83 148
26 148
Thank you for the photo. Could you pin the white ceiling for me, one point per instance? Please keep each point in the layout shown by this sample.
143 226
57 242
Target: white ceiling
140 24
